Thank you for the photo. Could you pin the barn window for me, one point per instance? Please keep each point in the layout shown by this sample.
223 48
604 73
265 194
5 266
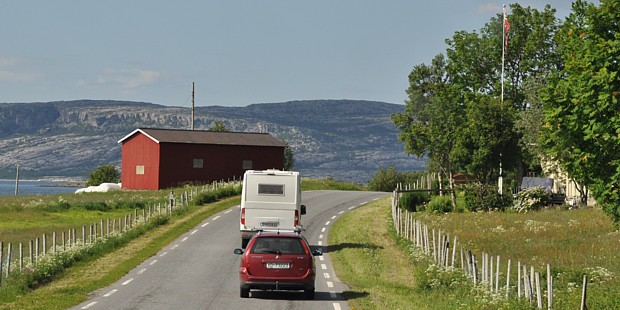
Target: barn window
139 169
197 163
247 164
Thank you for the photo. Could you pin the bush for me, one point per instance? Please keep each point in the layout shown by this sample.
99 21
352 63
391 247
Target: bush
103 174
482 197
413 201
532 198
440 204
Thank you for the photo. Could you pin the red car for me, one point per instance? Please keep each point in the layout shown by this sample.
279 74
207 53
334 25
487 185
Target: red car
277 261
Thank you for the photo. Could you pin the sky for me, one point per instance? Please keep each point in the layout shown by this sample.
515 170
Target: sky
238 52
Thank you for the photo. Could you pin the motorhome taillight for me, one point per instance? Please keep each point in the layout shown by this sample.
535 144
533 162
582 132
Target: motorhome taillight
243 216
296 218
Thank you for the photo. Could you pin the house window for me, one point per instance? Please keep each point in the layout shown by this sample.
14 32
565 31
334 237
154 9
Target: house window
139 169
247 164
197 163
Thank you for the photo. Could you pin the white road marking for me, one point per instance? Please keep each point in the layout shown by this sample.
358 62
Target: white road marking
182 240
141 271
321 258
174 246
127 282
217 217
193 232
353 207
205 224
110 293
153 262
89 305
333 217
227 211
327 223
376 199
321 236
320 242
336 306
324 266
340 212
330 284
163 254
326 275
323 229
363 203
332 294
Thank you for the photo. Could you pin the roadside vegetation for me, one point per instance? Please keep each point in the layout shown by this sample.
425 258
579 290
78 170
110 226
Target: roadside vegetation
384 271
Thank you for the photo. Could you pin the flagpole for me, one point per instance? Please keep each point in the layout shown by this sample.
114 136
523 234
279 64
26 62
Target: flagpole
500 180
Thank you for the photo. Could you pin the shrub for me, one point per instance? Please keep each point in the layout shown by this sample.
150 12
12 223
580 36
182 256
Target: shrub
482 197
103 174
440 204
413 201
532 198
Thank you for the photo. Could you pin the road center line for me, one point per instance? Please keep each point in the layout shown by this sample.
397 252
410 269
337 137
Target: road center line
153 262
340 212
321 236
182 240
228 211
141 271
127 282
217 217
174 246
110 293
351 208
193 232
205 224
163 254
327 223
336 306
89 305
323 229
333 217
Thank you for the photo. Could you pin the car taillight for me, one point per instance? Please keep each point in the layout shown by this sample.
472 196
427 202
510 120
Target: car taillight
243 216
296 218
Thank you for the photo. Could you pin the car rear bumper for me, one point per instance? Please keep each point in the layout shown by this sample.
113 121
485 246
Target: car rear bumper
277 285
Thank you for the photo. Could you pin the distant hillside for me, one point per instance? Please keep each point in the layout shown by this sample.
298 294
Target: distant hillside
343 139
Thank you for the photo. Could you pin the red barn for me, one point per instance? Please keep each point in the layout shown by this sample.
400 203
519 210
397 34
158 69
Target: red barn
161 158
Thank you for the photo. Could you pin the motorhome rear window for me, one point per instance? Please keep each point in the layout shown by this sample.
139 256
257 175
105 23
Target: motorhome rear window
271 189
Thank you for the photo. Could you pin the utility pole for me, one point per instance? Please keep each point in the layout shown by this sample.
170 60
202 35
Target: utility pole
192 105
17 181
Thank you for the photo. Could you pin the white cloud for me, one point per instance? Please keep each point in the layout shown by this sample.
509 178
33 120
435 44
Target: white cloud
128 78
9 75
489 7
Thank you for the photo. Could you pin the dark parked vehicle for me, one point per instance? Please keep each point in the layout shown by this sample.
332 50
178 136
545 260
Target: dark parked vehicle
277 261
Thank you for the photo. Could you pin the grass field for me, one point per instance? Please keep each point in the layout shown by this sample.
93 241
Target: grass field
384 272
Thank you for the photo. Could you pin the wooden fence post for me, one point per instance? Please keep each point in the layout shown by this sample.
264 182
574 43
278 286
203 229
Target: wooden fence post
584 292
21 256
9 254
1 259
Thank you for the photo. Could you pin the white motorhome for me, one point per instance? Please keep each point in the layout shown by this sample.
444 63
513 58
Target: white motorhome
270 200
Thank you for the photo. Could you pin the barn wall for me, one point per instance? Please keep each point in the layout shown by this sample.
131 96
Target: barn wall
220 162
140 150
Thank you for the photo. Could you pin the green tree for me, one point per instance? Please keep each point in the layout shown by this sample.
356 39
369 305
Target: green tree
219 126
433 114
103 174
582 113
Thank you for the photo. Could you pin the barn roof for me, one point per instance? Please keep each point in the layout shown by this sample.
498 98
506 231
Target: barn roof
207 137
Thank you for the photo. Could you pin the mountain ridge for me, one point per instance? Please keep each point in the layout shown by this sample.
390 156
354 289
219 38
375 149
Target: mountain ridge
347 140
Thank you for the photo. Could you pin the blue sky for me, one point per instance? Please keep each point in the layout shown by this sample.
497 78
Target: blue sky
238 52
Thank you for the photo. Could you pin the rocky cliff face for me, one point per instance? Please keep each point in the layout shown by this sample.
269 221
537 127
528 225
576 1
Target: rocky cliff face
343 139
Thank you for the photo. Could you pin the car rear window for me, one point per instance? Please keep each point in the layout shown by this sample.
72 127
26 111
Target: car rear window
264 245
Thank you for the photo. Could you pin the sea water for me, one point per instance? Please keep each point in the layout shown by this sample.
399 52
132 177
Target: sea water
34 187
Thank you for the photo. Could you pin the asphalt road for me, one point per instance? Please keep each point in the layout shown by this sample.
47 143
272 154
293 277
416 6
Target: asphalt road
200 271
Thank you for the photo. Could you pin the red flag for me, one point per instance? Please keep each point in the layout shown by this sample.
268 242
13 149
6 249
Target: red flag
506 27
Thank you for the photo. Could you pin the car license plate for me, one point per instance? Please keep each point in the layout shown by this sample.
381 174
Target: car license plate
278 265
269 224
